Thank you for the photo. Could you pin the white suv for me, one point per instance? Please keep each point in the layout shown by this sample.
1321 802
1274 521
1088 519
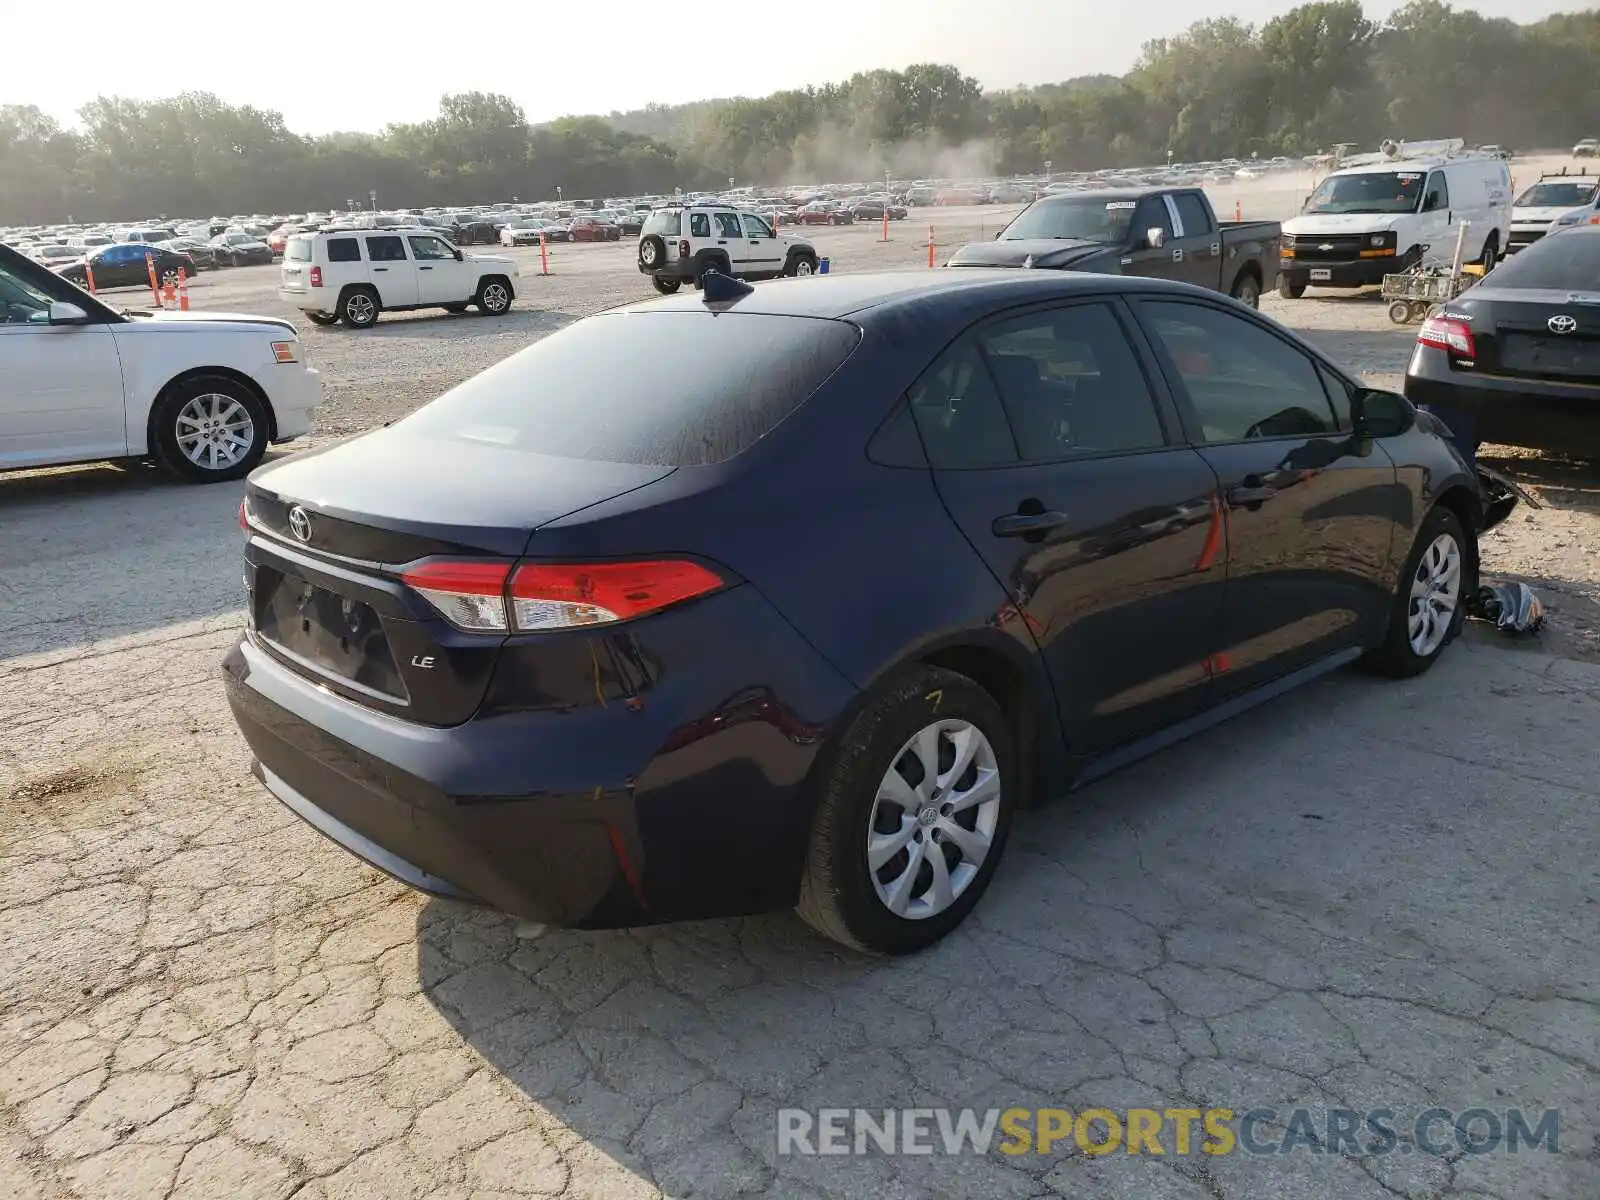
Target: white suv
352 275
679 245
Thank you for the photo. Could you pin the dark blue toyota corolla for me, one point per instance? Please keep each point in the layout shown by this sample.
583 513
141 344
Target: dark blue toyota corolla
793 596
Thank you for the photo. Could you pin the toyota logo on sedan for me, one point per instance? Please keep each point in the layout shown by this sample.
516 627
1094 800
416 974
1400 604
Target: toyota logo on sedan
300 523
1561 323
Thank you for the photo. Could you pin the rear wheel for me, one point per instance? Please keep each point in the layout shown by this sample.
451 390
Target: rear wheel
1247 290
359 308
913 816
1400 312
1490 255
1429 606
210 429
710 264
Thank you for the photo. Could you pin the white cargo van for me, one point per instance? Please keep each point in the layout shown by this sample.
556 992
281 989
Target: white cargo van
1375 217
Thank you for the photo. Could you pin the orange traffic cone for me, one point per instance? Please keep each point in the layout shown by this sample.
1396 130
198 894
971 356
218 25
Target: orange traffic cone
183 290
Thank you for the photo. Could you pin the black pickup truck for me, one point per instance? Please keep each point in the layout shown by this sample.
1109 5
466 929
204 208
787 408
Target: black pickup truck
1170 233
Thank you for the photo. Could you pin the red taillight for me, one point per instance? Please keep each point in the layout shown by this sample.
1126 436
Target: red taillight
486 597
683 248
244 516
316 276
1454 337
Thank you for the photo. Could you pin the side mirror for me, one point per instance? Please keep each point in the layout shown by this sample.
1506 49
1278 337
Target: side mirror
64 313
1155 237
1379 414
460 257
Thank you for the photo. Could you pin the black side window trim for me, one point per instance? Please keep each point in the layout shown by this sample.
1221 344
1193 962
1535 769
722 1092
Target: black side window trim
1180 393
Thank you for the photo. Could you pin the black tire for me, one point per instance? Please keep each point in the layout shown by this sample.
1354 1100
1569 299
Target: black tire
1290 289
652 252
323 318
837 893
494 296
794 266
1490 255
1247 290
456 308
665 285
711 264
359 308
166 432
1395 656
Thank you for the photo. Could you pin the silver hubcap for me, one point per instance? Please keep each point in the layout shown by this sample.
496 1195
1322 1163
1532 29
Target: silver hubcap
361 309
494 297
933 819
1435 593
215 431
648 254
803 267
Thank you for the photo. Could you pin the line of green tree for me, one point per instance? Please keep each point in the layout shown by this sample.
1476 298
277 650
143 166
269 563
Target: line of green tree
1321 74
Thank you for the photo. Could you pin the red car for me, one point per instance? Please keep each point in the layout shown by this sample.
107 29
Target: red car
824 212
591 229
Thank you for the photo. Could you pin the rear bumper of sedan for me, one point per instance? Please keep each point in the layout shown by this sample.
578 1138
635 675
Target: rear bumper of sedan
687 801
1536 414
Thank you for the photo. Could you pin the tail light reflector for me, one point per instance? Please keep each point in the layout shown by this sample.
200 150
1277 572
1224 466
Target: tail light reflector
1454 337
683 248
316 276
547 596
487 597
470 595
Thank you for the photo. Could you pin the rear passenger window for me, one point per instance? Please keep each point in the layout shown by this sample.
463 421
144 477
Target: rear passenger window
385 249
1071 384
958 412
1192 212
344 250
699 225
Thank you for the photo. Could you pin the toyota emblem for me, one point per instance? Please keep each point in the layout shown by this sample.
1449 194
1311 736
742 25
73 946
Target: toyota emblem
300 523
1561 323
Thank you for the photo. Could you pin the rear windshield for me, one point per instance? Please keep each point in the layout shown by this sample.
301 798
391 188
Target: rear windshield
1566 261
297 249
667 224
679 389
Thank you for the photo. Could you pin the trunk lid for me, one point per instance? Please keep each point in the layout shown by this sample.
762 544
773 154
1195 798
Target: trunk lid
326 548
1525 333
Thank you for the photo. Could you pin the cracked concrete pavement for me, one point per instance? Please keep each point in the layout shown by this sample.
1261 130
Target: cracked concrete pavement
1367 895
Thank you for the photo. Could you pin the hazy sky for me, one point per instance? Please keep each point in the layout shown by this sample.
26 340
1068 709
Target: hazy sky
345 66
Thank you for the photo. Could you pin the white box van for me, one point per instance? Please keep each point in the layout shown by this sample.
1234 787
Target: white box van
353 275
1367 221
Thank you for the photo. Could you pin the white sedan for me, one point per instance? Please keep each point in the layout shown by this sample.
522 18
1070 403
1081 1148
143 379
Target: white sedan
522 233
202 393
